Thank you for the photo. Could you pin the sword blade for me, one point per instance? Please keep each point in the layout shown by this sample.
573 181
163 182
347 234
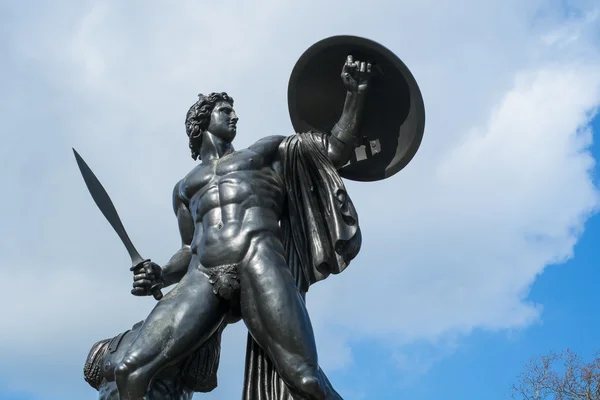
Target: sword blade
107 208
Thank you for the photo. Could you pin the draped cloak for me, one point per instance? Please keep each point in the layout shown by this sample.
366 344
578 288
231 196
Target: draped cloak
321 236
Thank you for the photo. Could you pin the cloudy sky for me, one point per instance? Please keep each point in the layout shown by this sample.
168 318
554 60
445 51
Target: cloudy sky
477 256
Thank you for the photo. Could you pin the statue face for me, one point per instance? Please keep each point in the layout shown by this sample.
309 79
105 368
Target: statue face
223 121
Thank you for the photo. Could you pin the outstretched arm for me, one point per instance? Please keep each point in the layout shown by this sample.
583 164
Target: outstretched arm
344 135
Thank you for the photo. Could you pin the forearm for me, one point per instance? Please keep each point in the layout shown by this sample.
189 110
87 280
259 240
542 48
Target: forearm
344 135
176 268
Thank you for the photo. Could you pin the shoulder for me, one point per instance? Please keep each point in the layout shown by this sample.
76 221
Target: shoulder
267 145
177 190
178 195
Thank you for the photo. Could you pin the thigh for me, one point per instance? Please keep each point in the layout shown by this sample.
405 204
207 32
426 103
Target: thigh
273 309
181 322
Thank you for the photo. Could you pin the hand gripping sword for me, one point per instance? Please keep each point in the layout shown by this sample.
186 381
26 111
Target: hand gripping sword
107 208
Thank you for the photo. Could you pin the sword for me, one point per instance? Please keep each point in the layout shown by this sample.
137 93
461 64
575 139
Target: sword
107 208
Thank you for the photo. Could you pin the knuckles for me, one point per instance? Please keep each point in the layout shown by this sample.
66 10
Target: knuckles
144 277
356 72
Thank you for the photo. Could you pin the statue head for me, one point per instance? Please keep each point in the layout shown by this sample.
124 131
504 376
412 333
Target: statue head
213 113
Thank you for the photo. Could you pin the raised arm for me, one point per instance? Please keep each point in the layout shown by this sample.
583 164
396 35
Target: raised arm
172 272
344 135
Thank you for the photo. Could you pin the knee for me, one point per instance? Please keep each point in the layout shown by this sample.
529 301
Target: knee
128 374
125 368
308 384
312 386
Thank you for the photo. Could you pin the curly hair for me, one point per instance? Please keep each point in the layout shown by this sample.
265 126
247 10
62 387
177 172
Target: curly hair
198 119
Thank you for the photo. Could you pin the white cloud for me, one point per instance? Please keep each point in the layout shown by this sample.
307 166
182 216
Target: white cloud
507 200
499 189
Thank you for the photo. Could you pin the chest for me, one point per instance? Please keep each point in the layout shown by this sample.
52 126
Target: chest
208 174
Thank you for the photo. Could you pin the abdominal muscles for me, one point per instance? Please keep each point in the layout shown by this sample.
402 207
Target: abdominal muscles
233 211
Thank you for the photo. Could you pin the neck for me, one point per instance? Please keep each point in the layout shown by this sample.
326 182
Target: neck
213 147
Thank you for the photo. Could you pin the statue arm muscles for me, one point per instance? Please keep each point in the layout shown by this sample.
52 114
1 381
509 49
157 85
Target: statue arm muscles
344 134
176 268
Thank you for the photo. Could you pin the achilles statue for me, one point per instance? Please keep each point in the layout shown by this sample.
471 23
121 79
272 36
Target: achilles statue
258 227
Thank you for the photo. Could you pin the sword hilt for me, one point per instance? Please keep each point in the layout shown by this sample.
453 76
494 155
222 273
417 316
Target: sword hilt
154 289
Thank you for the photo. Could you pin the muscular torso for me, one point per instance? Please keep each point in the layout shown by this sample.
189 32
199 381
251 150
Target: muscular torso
234 201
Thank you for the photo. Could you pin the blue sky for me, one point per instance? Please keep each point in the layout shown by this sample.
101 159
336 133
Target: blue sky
485 364
482 251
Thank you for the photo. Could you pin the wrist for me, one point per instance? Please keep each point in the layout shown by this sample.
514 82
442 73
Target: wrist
353 106
355 96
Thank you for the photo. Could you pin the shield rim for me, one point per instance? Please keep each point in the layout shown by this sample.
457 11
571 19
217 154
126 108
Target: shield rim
416 99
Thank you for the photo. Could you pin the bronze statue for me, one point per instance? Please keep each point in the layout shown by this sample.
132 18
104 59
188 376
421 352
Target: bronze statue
258 226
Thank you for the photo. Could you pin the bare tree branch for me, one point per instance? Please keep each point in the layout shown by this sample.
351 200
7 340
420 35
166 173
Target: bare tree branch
563 376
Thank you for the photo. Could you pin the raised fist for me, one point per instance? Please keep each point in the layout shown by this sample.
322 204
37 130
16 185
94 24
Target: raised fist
356 74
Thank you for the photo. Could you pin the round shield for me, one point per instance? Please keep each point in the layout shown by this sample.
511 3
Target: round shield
393 118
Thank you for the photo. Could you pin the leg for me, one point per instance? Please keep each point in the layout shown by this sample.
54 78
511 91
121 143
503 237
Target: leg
276 316
181 322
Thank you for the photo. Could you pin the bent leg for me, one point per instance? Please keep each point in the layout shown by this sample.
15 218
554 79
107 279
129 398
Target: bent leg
181 322
276 316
